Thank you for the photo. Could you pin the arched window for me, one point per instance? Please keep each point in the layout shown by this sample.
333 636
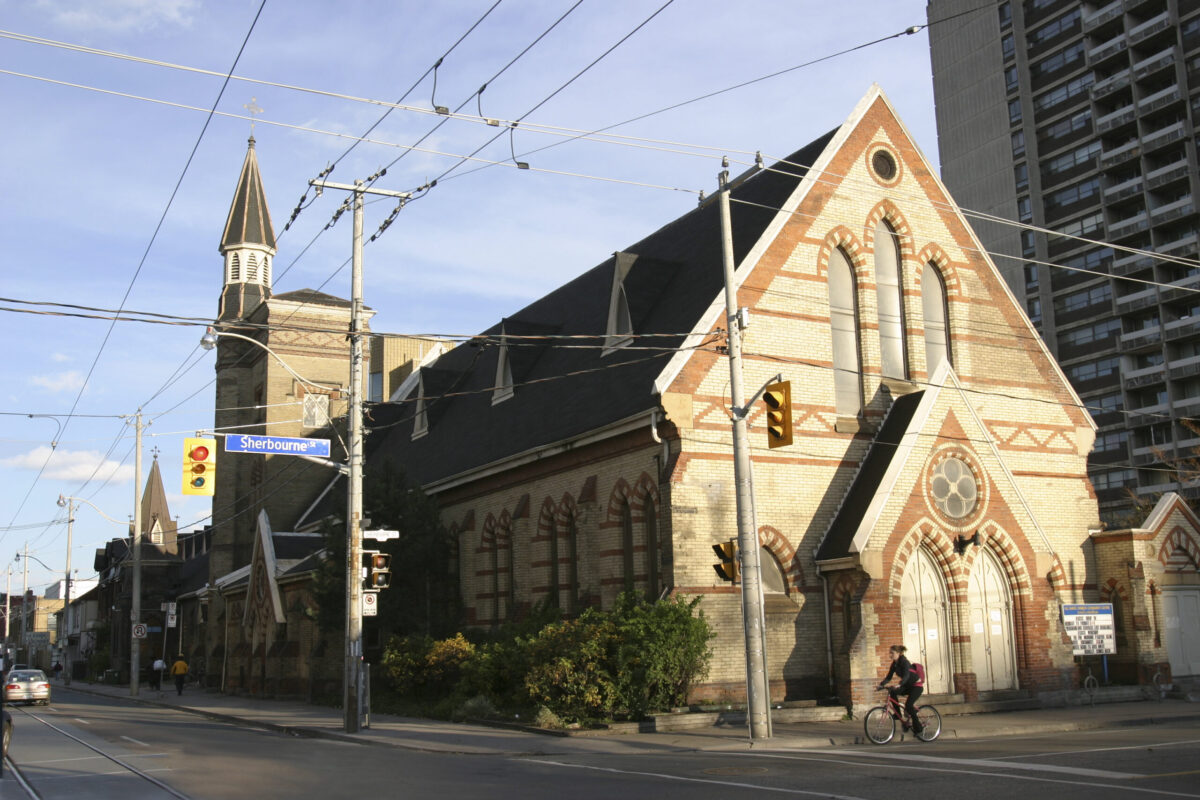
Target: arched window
772 572
252 269
266 271
933 304
891 302
650 520
235 268
843 318
627 544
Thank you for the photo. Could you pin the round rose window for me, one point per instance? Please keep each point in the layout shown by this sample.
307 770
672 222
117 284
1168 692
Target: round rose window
953 488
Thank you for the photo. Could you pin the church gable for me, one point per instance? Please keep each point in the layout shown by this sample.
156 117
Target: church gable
263 602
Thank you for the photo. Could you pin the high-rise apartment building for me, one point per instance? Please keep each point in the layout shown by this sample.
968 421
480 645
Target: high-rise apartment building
1078 120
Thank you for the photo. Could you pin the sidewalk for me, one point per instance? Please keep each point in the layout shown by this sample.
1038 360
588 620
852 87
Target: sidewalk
301 719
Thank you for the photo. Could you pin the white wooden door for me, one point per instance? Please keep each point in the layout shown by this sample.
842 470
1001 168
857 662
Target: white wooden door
923 619
1181 615
989 615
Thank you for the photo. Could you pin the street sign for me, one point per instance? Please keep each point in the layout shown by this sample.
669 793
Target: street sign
381 536
170 619
139 631
277 445
1090 626
370 604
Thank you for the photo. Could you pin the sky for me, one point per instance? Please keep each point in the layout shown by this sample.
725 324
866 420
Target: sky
119 183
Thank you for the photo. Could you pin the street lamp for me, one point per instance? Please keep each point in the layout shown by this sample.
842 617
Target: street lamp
352 679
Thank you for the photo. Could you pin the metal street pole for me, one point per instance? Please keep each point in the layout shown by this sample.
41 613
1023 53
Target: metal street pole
758 707
66 615
352 682
24 606
135 644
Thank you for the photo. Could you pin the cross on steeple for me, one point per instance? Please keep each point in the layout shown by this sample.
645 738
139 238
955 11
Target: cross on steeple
254 110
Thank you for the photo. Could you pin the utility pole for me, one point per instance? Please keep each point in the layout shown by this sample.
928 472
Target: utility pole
135 644
352 682
24 604
758 705
66 638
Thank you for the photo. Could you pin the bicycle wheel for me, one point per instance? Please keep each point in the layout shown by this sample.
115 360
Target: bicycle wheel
931 723
879 725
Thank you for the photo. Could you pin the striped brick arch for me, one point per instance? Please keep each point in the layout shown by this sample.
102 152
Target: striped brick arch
841 238
887 210
778 546
939 547
1179 552
932 254
1112 588
1058 579
1002 546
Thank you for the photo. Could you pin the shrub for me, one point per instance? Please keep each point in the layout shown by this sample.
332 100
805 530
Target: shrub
572 667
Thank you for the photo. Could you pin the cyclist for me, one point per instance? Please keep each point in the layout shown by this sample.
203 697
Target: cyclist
908 685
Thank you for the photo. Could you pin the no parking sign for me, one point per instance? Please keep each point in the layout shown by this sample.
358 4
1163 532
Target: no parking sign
139 631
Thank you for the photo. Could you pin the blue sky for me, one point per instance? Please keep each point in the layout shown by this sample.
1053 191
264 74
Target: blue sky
90 175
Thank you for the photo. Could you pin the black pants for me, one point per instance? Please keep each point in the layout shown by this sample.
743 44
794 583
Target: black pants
179 683
910 704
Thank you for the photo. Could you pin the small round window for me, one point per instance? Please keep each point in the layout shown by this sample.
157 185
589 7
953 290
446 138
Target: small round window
953 488
884 165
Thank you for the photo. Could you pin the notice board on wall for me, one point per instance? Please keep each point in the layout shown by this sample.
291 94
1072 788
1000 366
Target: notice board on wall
1091 628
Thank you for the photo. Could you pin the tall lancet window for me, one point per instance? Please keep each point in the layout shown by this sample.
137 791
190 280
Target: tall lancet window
933 303
252 269
266 271
235 268
888 287
843 318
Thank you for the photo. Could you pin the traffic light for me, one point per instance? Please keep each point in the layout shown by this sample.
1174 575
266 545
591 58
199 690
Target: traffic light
727 569
378 571
199 466
778 397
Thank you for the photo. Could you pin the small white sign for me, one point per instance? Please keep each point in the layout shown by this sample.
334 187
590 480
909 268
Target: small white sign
914 628
171 619
979 627
381 536
931 634
995 630
995 615
370 607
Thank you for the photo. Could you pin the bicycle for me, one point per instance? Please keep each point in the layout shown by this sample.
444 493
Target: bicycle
880 722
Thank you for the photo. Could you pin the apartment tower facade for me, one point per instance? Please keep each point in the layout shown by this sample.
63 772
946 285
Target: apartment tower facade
1077 122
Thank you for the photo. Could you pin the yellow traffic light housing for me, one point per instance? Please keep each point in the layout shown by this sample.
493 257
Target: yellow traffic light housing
378 571
727 568
778 397
199 466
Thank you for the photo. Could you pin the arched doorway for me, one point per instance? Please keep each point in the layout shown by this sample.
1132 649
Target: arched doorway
923 620
989 614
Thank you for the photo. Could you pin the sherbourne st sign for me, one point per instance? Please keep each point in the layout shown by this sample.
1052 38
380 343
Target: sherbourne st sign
277 445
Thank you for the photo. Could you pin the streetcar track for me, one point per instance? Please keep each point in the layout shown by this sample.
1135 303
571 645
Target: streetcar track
31 790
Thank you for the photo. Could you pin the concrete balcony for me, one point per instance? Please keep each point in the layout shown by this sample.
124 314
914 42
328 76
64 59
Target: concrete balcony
1118 118
1148 376
1129 226
1135 301
1162 99
1159 61
1114 46
1123 190
1141 340
1183 367
1184 287
1127 265
1164 136
1111 84
1172 211
1168 174
1106 14
1150 27
1119 155
1185 245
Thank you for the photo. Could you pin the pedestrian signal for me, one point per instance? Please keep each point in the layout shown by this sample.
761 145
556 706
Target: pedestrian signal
199 466
379 571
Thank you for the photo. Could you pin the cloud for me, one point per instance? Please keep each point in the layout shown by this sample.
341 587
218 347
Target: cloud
62 382
78 465
60 358
120 15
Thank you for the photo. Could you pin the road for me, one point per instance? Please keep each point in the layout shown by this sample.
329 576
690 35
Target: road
194 757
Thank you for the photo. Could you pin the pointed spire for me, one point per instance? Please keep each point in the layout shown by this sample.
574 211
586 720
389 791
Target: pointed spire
249 220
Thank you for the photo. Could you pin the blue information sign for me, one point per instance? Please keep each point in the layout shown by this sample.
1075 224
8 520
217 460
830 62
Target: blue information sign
276 445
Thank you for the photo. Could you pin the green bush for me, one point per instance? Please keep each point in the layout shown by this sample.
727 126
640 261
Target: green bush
638 658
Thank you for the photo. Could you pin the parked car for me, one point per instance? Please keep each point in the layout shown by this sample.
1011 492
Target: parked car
27 686
7 732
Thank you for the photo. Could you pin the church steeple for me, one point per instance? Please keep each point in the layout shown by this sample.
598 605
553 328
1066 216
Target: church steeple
248 244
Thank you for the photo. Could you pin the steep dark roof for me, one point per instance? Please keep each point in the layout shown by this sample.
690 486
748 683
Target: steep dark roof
563 392
866 484
249 221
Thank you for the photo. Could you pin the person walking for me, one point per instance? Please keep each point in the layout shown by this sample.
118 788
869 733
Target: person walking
156 674
179 670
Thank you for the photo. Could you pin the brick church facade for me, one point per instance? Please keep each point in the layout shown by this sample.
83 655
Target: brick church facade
936 492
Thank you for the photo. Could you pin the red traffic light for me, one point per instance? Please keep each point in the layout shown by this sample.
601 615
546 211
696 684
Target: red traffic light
199 453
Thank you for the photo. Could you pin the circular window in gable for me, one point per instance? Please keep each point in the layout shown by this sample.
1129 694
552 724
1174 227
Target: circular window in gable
953 488
884 165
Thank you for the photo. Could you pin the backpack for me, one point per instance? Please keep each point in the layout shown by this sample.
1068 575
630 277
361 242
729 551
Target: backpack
919 669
